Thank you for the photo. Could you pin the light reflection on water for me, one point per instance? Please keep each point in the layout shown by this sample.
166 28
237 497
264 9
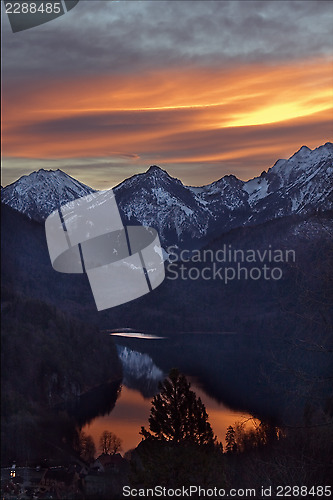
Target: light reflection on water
132 411
136 335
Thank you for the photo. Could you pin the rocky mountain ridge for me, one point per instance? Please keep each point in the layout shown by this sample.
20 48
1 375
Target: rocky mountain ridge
187 215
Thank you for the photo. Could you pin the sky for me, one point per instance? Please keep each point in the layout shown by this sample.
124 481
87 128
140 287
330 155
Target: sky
200 88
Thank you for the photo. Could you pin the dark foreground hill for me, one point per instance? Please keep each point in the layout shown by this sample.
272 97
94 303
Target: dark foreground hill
48 360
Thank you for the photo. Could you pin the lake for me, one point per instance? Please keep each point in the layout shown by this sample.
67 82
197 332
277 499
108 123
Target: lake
132 408
132 411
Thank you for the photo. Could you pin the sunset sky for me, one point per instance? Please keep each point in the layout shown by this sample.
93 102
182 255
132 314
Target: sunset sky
200 88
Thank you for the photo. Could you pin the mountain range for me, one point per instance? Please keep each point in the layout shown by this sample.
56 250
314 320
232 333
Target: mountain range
271 329
191 216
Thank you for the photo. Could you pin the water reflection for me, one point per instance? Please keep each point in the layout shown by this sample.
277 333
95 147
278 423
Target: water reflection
140 372
241 371
132 411
212 362
132 408
228 371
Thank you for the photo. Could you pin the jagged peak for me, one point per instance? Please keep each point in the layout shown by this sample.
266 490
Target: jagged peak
230 176
154 174
27 177
49 177
44 172
328 146
228 179
304 149
301 158
41 190
41 173
155 169
303 152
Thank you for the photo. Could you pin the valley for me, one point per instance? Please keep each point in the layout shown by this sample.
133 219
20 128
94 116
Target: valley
259 346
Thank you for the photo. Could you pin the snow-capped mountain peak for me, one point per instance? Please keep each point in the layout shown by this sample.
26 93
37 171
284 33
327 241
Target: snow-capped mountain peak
155 170
190 216
39 193
303 152
302 183
303 159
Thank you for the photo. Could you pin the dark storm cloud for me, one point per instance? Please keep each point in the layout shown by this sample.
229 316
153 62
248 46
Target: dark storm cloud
112 37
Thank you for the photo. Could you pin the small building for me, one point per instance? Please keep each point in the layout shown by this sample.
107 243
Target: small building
109 463
60 481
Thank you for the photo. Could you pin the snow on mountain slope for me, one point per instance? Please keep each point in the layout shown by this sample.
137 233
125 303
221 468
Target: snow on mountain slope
301 184
226 193
180 213
39 193
184 214
188 216
158 200
256 189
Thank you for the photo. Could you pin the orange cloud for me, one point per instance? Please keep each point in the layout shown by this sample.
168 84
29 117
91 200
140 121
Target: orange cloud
171 116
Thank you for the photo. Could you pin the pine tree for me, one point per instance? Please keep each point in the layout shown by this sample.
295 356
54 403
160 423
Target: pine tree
177 415
230 440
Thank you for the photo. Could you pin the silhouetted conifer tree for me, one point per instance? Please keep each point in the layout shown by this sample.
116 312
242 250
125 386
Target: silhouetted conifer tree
177 415
230 440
